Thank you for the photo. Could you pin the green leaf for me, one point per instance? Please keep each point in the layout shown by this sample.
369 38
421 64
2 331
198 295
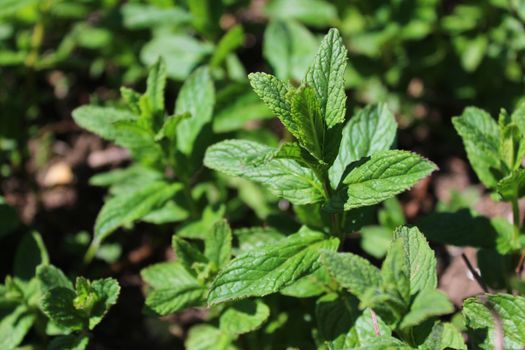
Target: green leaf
481 316
375 240
518 116
156 84
237 105
187 254
270 268
101 120
200 228
284 178
206 337
310 285
480 137
335 315
228 43
51 277
181 53
511 145
169 212
126 180
306 113
69 342
256 237
139 140
218 245
173 288
386 174
427 303
30 253
58 305
409 267
243 317
419 262
143 16
107 291
166 275
352 272
343 326
326 76
363 332
274 94
318 13
443 336
166 301
126 208
14 327
289 47
512 186
168 130
197 97
371 130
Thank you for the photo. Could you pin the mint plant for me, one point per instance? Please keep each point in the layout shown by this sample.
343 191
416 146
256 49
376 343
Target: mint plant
40 296
495 151
162 146
338 169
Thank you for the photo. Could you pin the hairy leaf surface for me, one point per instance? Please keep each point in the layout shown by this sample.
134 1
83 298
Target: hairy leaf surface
386 174
283 177
270 268
371 130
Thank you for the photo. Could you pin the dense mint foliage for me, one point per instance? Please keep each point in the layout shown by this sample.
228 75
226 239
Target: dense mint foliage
264 178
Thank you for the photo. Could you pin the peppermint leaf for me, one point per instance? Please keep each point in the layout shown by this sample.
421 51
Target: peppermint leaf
352 272
444 336
283 177
427 303
326 76
386 174
126 208
197 97
173 288
270 268
101 120
371 130
289 47
480 137
243 317
218 245
482 314
306 113
273 92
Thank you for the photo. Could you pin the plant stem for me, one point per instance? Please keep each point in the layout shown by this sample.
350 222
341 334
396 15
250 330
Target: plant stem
90 253
336 219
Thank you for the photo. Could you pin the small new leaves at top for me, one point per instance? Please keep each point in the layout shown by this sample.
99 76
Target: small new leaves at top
75 309
326 160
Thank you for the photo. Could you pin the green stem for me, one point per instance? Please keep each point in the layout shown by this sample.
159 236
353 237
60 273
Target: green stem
90 253
336 219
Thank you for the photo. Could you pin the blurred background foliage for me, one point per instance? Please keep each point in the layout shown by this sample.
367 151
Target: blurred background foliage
423 57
